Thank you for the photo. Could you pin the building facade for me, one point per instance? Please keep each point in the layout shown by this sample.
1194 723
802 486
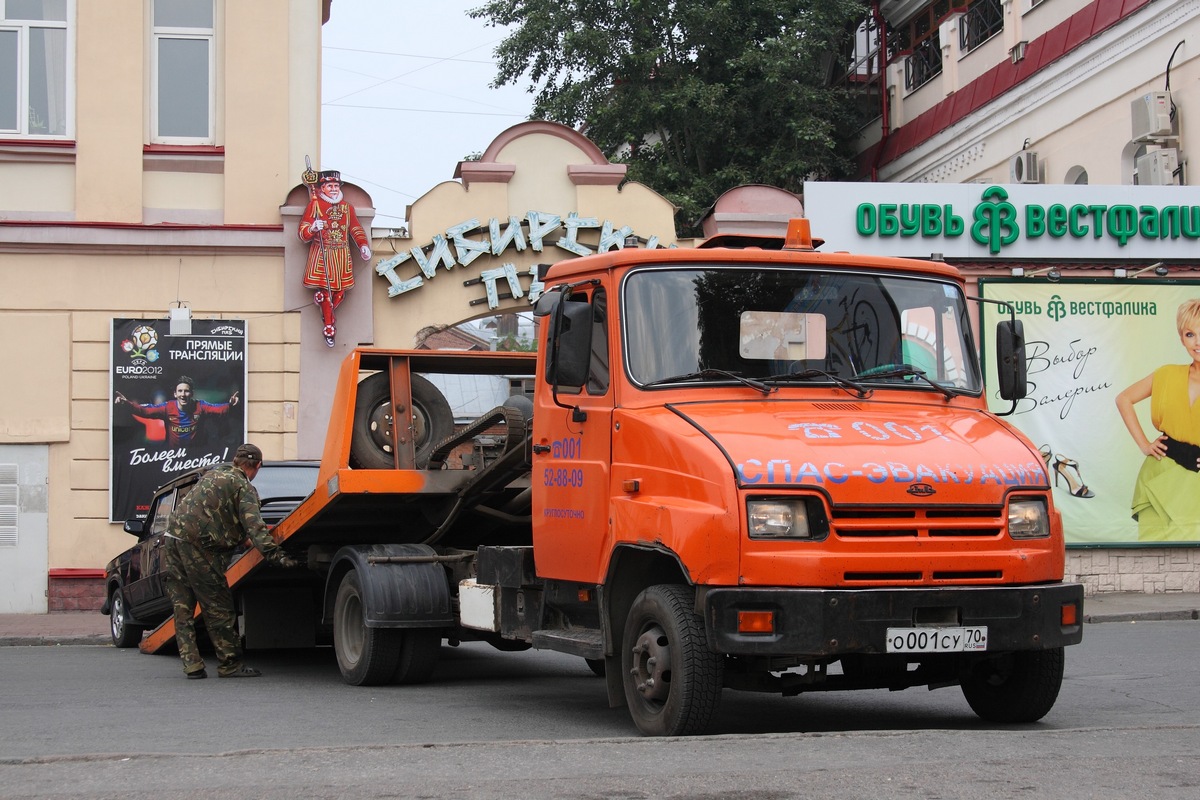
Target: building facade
1055 106
145 172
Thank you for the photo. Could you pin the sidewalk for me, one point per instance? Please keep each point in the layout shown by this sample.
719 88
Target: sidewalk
91 627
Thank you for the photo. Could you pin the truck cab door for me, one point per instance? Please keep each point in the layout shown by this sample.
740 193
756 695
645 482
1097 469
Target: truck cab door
572 450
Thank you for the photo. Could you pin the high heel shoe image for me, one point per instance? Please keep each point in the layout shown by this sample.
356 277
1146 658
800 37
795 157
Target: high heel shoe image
1068 470
1046 453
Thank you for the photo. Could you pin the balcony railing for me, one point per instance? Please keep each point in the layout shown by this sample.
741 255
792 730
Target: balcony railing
923 64
983 20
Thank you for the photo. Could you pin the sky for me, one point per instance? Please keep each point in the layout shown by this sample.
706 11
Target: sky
405 96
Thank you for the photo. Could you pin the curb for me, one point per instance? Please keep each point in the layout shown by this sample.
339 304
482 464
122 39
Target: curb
54 641
1143 616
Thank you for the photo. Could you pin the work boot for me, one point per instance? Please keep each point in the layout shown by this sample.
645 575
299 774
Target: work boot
197 675
241 672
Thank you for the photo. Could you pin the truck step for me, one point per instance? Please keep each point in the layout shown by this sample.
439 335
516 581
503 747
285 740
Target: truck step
583 642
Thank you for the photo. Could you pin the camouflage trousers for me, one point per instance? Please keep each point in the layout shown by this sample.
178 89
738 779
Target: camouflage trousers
195 574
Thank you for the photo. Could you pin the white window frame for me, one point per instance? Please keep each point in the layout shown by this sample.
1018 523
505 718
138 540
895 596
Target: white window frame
22 28
157 34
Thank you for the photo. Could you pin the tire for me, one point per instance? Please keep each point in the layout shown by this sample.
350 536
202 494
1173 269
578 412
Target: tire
1015 687
365 656
371 443
418 655
672 680
124 633
596 665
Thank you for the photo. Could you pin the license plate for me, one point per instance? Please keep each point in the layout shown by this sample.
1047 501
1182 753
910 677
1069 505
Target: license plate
937 640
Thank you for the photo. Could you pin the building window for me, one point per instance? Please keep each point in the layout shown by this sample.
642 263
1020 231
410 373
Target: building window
35 61
920 40
182 75
983 20
9 503
859 69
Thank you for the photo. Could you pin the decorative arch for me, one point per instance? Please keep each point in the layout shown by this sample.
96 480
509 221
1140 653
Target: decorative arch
599 171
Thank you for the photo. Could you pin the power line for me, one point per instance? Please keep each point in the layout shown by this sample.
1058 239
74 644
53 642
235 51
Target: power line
426 110
409 55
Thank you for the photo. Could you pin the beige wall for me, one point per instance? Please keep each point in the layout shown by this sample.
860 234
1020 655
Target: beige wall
85 243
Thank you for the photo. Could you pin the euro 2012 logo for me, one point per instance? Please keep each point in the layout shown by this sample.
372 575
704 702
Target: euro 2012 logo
142 343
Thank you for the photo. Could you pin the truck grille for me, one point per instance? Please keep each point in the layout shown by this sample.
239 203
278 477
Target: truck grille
912 523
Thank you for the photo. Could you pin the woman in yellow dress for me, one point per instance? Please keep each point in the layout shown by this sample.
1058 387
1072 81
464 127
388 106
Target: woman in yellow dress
1166 496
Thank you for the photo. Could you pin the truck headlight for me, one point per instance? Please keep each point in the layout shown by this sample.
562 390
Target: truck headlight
1028 519
784 519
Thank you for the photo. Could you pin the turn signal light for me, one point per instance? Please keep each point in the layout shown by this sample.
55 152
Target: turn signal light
756 622
1070 614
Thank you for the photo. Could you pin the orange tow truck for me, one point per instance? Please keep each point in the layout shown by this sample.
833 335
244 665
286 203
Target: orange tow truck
756 468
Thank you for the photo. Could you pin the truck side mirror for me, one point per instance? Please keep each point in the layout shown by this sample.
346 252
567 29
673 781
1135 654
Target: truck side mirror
570 343
1010 359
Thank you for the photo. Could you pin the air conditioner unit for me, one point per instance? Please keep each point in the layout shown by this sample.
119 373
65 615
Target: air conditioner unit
1157 168
1151 116
1023 167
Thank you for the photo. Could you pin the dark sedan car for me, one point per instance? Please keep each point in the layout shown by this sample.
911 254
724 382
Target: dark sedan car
134 581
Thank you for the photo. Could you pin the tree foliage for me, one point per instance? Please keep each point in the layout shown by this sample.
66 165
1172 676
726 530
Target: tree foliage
696 96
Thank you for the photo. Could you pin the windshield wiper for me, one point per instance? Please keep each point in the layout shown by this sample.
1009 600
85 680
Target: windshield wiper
711 374
905 371
808 374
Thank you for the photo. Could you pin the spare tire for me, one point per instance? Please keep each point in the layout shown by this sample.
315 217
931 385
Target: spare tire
371 444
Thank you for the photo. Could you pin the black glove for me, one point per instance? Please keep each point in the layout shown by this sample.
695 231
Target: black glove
287 562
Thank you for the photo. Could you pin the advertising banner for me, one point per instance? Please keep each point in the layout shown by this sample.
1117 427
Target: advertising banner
1086 342
178 402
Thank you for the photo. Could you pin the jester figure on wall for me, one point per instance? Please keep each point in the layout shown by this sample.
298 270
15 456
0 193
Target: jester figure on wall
329 226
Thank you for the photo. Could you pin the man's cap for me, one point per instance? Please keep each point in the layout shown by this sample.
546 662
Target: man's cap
249 452
330 175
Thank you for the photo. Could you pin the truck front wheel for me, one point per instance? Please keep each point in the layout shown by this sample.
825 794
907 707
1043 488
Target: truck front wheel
1015 687
366 656
672 680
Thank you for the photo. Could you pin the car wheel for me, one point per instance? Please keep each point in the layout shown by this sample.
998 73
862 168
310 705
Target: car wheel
366 656
371 445
124 633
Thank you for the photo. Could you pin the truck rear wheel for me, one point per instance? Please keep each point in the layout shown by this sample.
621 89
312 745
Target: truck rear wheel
418 655
366 656
371 444
672 680
1015 687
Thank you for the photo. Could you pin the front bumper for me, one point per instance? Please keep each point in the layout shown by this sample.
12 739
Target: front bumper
833 622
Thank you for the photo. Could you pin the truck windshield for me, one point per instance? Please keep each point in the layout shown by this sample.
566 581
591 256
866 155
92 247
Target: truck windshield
854 329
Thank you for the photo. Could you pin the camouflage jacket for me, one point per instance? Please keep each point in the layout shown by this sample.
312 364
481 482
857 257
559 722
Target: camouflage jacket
220 511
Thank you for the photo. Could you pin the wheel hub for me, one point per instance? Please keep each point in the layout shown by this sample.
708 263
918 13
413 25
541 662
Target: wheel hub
652 665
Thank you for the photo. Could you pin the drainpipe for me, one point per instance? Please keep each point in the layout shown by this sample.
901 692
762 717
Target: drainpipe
883 88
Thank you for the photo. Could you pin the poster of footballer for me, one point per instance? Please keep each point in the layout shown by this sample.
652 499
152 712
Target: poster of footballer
178 402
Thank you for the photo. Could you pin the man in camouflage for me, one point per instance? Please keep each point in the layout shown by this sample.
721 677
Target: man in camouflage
216 515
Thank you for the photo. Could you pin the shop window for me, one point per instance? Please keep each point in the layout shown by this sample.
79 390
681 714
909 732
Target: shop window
182 77
35 62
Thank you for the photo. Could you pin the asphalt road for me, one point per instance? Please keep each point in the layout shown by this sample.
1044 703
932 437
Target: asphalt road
99 722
